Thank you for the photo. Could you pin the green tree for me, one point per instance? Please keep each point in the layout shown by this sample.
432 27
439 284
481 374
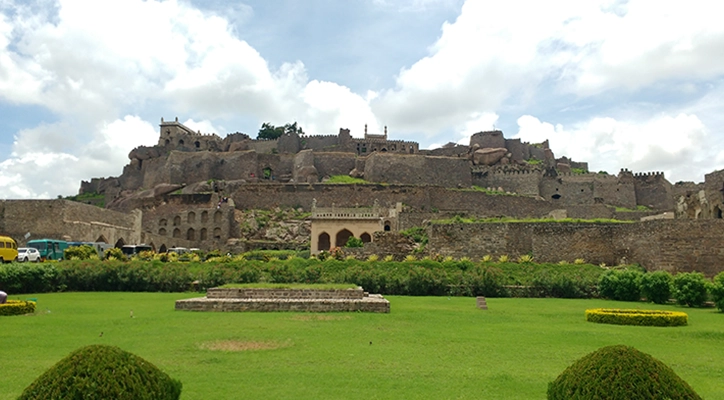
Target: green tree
271 132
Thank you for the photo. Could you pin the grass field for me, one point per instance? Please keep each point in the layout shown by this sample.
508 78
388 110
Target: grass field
426 348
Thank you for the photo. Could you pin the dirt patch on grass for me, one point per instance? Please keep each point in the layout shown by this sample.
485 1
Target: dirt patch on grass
243 345
316 317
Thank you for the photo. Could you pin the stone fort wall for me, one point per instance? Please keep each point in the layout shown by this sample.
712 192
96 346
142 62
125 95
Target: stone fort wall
418 170
419 198
63 219
670 245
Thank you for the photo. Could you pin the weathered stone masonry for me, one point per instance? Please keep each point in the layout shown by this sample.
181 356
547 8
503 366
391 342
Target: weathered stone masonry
670 245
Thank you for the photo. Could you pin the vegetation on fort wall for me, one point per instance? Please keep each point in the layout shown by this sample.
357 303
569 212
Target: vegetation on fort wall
459 219
97 199
344 179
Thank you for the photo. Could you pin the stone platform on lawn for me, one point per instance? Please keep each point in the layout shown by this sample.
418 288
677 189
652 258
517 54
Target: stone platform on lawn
312 300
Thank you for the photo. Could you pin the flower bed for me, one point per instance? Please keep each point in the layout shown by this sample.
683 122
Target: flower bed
636 317
17 307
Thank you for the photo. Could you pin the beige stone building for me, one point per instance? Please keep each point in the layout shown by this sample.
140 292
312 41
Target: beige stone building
333 226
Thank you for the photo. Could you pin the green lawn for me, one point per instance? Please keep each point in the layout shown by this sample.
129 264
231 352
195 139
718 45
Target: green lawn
426 348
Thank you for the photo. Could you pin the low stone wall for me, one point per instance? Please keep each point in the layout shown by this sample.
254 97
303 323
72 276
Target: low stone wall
253 293
266 300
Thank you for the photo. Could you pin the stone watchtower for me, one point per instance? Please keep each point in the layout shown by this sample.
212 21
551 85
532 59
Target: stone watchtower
177 136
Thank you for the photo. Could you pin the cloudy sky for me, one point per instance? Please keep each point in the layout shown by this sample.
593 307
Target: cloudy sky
636 84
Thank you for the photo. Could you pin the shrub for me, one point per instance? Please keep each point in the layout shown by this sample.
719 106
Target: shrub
115 254
656 286
354 242
717 291
103 372
503 259
690 289
83 252
619 372
636 317
620 284
17 307
525 259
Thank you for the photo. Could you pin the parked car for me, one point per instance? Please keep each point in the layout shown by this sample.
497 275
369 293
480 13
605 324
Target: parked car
28 254
133 249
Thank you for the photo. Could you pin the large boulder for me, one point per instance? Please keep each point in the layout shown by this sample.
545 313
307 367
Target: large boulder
619 372
99 372
489 156
145 153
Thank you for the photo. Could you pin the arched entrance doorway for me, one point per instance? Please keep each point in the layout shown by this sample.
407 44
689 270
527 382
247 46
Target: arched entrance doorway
323 242
342 237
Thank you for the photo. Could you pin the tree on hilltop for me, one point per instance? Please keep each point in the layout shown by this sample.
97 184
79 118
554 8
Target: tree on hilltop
270 132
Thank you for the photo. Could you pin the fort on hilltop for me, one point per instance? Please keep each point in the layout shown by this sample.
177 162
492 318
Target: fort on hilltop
201 190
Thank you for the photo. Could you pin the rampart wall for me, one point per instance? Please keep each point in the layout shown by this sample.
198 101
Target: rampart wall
329 164
654 191
520 182
670 245
420 198
419 170
63 219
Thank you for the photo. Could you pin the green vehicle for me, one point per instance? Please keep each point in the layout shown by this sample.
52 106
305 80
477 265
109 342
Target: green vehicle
49 249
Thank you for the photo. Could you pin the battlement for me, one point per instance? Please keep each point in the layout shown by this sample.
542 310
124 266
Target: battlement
657 174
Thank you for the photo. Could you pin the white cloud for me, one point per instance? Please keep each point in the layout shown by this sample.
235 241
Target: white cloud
497 52
674 144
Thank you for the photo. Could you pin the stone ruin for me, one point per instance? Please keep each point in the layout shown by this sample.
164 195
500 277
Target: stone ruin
286 299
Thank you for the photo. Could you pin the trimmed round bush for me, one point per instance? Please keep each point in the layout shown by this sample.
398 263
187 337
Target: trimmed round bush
17 307
690 288
619 372
618 316
99 372
656 286
620 284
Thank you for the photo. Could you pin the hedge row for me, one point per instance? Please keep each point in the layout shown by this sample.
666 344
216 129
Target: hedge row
637 317
688 288
419 278
17 307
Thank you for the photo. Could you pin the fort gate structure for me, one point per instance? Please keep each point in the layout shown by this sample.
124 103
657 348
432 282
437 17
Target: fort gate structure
333 226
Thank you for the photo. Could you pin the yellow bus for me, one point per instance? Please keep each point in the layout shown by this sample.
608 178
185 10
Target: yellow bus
8 249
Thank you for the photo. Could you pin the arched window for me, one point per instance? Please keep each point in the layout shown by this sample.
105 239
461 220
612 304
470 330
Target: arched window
176 221
202 234
387 226
162 222
365 237
197 144
342 237
177 233
181 142
163 248
191 234
204 217
217 216
217 233
120 243
191 218
323 242
102 239
162 232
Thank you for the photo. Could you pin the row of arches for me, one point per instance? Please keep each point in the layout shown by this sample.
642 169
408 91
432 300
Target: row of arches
191 218
191 233
324 242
